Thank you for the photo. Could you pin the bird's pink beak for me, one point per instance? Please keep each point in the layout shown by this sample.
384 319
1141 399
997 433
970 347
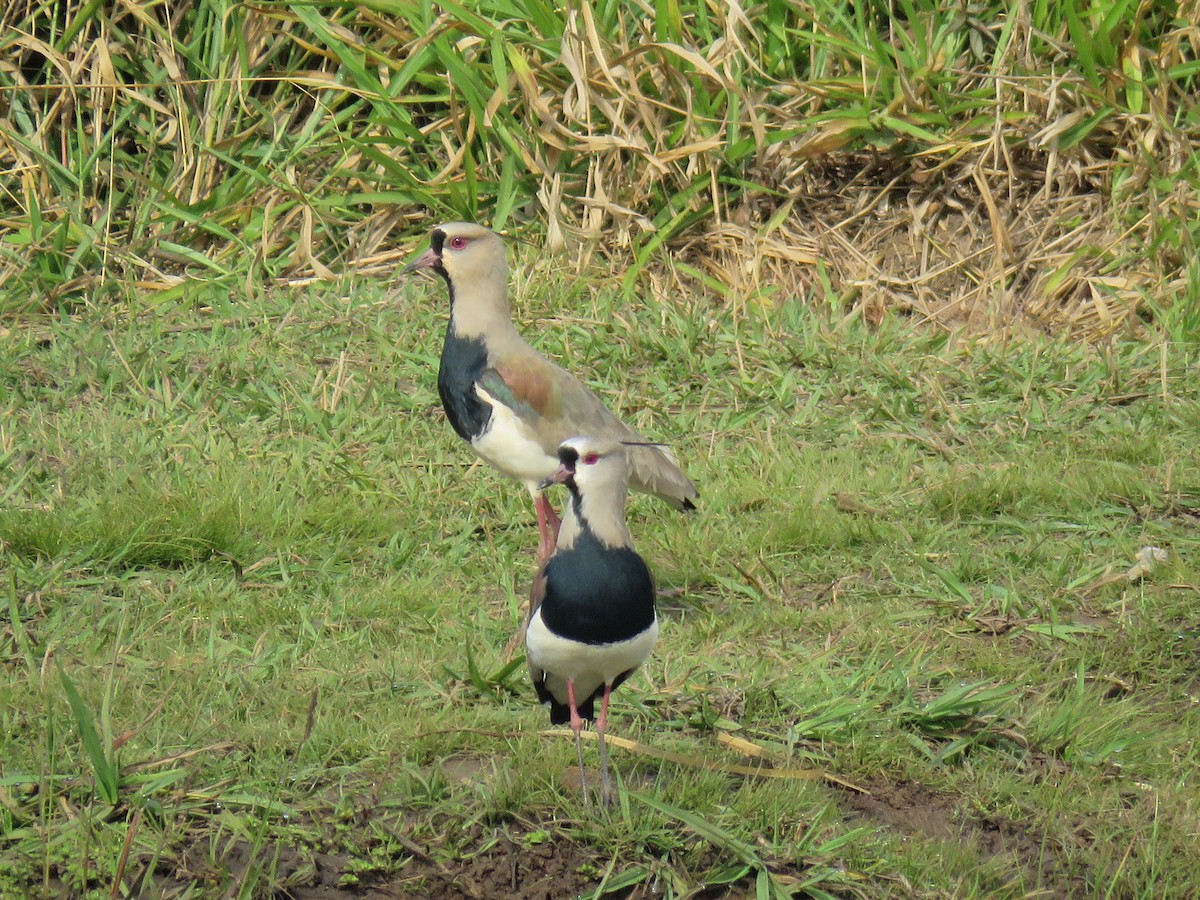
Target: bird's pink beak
561 474
428 260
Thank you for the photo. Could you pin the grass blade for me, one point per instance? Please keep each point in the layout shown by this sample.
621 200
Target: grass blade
103 765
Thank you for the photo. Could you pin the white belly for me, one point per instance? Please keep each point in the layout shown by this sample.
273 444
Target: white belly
588 665
510 446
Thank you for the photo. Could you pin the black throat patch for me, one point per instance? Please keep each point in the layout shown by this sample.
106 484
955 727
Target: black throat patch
437 240
464 360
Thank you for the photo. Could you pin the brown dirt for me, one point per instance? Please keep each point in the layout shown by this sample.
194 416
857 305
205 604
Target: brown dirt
914 810
299 873
511 868
538 861
519 861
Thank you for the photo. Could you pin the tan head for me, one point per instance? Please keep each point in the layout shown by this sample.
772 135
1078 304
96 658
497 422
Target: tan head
460 251
471 260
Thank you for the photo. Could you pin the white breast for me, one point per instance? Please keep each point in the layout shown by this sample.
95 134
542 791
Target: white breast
509 445
588 665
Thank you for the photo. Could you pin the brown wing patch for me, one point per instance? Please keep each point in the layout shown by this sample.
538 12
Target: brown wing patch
529 384
537 593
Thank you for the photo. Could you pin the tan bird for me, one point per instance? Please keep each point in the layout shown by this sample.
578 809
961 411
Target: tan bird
512 405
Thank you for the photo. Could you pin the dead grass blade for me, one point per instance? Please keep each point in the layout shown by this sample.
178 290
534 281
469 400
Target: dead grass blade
696 762
963 168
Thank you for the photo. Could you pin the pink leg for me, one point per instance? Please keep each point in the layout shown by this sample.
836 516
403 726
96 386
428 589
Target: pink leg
577 727
601 723
548 525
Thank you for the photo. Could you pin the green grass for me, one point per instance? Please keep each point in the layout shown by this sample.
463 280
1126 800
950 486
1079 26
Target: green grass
255 595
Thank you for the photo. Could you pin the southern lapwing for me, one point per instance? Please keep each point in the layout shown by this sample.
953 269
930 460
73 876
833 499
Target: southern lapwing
592 620
513 406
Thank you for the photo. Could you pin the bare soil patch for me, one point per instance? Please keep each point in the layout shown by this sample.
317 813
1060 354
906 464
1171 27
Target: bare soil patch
915 810
512 868
526 860
515 866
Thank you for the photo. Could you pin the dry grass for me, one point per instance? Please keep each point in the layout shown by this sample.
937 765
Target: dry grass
974 166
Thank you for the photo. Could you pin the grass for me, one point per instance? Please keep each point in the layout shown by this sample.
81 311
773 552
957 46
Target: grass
255 595
978 163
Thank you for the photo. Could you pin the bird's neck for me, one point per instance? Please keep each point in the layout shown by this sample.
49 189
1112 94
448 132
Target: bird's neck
481 310
603 515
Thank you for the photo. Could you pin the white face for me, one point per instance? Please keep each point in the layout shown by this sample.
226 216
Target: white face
600 464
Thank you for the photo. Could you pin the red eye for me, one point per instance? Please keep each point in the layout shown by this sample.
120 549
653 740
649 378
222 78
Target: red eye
457 243
591 459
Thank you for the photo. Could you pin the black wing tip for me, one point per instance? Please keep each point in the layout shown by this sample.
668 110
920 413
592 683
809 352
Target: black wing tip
560 713
682 504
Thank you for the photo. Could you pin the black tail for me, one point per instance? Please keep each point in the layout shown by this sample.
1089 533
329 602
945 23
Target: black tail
560 713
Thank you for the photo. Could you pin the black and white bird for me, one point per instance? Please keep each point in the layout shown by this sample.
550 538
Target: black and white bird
512 405
592 620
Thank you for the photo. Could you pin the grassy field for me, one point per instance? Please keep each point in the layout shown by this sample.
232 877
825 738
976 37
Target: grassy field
255 595
912 289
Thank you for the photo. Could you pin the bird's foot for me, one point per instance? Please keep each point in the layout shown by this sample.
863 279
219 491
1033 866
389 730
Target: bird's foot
608 793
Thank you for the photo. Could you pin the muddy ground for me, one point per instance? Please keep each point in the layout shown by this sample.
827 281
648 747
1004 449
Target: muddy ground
540 861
